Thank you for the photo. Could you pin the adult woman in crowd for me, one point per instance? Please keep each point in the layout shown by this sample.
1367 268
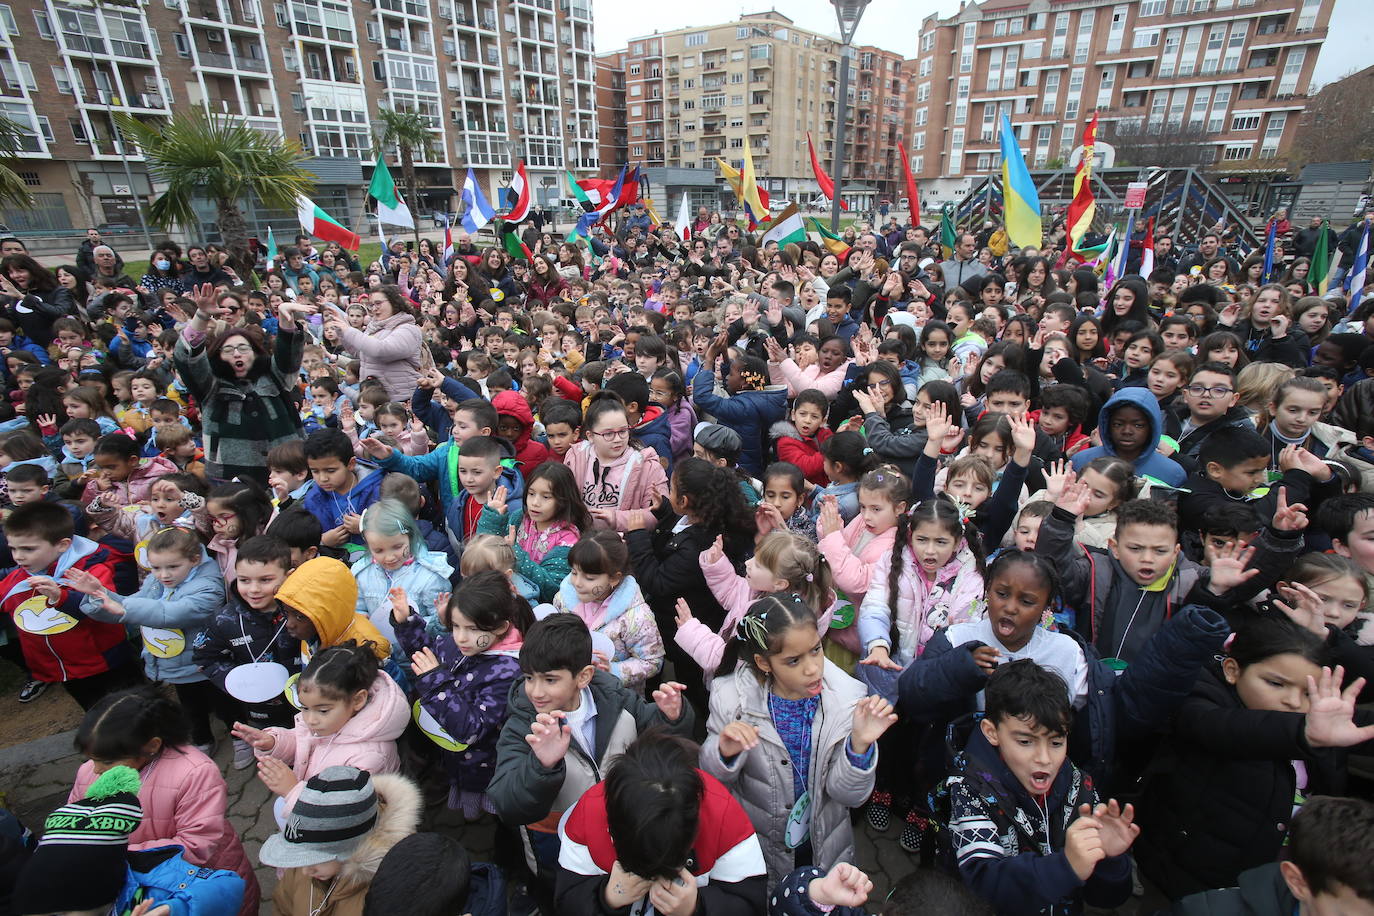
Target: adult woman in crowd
37 297
545 284
76 281
389 347
495 280
244 393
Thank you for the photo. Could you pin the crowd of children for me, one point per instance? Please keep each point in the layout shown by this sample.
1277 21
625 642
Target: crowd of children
676 569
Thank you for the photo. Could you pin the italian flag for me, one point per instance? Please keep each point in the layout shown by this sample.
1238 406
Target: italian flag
787 227
391 210
514 247
323 226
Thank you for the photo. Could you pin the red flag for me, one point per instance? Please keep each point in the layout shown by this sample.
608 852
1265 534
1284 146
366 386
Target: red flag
519 194
910 186
822 179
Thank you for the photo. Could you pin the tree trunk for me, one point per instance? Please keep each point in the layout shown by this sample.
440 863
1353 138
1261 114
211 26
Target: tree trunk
233 232
408 170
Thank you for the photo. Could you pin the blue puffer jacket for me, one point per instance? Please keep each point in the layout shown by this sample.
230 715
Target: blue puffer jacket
942 684
330 507
424 579
171 620
163 876
749 413
434 466
1150 463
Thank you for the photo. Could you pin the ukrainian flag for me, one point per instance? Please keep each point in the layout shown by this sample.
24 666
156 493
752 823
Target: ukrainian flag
1021 212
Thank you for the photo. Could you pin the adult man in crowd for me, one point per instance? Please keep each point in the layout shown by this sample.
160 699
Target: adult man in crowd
965 263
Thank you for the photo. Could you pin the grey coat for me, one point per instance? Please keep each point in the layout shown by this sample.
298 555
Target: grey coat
762 778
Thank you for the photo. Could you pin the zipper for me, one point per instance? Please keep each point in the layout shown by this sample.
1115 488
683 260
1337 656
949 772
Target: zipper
47 640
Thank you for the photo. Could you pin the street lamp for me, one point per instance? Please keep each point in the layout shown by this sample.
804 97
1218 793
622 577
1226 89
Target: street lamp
848 13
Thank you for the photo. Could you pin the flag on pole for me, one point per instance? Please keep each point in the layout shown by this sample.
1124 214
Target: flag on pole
949 237
1125 254
1318 273
518 196
271 246
788 227
1147 252
512 242
827 186
607 203
578 192
683 224
1270 237
1083 207
448 240
1020 201
390 208
476 211
735 179
323 226
1358 270
832 242
913 201
758 211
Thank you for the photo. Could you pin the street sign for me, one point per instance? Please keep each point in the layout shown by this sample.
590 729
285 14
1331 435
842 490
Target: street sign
1135 195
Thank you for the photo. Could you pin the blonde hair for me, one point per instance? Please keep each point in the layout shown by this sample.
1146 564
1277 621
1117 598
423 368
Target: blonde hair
975 465
800 563
487 552
1256 385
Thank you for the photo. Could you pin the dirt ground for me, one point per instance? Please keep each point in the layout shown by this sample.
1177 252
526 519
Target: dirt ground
51 713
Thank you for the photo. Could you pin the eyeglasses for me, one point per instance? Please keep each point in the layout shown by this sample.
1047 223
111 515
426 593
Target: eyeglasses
613 434
235 350
1218 391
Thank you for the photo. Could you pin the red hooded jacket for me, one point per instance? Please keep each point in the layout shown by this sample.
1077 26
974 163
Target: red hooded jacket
529 453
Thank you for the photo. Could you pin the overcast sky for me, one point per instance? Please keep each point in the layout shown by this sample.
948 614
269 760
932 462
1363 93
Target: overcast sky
894 24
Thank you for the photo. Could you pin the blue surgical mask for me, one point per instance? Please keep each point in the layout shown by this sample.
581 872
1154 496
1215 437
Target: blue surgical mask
162 265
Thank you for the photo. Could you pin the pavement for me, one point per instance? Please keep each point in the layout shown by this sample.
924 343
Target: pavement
36 776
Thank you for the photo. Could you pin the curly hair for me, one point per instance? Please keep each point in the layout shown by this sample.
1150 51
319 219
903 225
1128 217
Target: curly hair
713 496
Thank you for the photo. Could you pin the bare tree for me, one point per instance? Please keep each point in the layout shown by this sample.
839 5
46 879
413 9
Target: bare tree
1337 125
1171 144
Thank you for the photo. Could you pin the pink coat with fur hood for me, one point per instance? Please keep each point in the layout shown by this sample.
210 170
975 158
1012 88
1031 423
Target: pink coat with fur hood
852 567
185 801
134 490
367 741
636 481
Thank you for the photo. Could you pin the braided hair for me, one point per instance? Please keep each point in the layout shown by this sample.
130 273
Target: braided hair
944 512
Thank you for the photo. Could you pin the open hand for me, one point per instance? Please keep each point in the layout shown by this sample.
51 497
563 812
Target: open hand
497 502
872 717
879 657
400 604
1229 568
1289 517
376 448
424 661
45 586
1116 827
668 699
1302 606
830 521
276 775
1331 711
261 740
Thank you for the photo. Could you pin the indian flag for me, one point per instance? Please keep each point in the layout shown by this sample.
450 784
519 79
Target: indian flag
787 227
323 226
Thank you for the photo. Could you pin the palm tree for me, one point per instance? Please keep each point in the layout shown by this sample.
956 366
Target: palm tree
13 191
197 153
409 132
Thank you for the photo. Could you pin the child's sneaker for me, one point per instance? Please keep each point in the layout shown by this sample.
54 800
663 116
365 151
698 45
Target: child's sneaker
32 690
910 839
243 754
880 811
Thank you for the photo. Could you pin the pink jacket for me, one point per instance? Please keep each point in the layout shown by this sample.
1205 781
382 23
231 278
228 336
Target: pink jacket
410 443
390 350
799 379
954 595
367 741
735 595
852 568
185 802
638 480
133 491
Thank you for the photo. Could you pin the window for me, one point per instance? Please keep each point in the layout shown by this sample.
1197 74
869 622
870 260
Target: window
63 81
1151 8
7 20
736 77
919 141
45 128
1292 69
1220 102
1191 42
78 130
182 45
918 164
1245 122
1199 113
1145 38
1013 61
1018 25
921 117
695 39
927 41
736 101
1237 151
44 24
637 90
1273 134
926 66
923 92
1117 31
1034 50
636 69
999 27
743 32
1051 97
1061 32
994 69
760 52
636 111
984 162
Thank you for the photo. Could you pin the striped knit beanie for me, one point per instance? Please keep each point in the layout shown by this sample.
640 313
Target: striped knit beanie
80 861
334 812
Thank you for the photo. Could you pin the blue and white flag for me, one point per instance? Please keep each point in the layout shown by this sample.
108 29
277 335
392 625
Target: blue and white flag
1358 271
1267 276
476 211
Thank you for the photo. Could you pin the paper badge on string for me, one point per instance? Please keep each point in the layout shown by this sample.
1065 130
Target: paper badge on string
38 617
433 730
257 682
163 643
292 692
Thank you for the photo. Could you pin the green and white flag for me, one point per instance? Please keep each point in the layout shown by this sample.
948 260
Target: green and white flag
391 210
787 227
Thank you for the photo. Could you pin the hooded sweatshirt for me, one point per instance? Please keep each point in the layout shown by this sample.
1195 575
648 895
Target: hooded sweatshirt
1150 463
655 431
324 590
626 619
528 452
635 480
424 577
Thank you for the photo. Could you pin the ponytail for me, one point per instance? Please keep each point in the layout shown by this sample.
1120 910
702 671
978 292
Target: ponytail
945 512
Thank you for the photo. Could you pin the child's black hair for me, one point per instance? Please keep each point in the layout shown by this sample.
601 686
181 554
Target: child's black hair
653 804
82 427
1231 446
484 447
603 403
1145 512
342 670
926 890
601 553
1229 520
1118 471
1321 372
1259 638
1215 367
298 527
47 521
482 413
186 483
850 449
246 499
1337 515
329 443
181 541
120 726
568 497
1023 690
267 549
632 387
942 511
1182 321
425 874
1072 399
119 444
288 457
1009 380
35 474
1042 568
787 471
486 599
674 380
327 383
713 496
1332 842
761 631
944 392
559 642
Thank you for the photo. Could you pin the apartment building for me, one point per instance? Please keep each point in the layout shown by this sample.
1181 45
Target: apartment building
1226 79
694 94
610 105
498 80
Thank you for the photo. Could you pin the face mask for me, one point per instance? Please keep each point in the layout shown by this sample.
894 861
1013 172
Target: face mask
162 265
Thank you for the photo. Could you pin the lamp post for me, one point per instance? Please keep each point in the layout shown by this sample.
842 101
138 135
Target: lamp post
848 13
